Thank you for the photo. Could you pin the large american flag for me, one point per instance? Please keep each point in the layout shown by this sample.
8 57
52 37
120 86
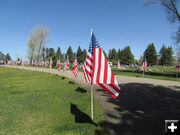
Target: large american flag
75 68
97 70
66 64
144 66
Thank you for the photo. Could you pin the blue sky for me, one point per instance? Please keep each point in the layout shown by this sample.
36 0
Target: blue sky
116 24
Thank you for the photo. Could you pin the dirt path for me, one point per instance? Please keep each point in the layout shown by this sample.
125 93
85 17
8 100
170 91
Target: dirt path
141 107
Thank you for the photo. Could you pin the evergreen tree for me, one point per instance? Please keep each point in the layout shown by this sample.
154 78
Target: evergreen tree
51 52
47 53
2 56
151 55
114 54
7 57
127 56
59 54
169 59
119 56
70 54
84 55
79 55
110 54
163 56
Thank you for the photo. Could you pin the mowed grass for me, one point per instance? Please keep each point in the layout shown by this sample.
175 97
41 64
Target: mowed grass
161 74
35 103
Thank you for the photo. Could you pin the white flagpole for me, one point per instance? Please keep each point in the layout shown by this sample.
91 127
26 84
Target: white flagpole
92 102
143 73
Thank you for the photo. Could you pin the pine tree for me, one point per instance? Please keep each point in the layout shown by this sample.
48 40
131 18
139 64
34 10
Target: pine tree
79 55
59 54
127 56
163 56
119 55
151 55
84 55
70 54
169 59
110 54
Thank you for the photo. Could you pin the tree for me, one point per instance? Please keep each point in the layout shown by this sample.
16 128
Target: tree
173 14
163 56
47 53
119 56
109 54
151 55
70 54
79 55
43 54
59 54
37 40
2 56
127 56
84 55
31 48
51 52
7 57
169 53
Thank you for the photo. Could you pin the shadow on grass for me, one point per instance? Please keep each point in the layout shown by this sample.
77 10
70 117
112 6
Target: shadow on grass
81 90
140 109
63 78
81 117
71 82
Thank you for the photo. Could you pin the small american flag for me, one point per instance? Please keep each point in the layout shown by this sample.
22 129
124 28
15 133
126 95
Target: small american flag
118 65
58 64
51 62
75 68
97 70
144 66
66 64
42 64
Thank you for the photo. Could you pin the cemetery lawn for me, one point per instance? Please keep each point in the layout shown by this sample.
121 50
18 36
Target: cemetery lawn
35 103
162 73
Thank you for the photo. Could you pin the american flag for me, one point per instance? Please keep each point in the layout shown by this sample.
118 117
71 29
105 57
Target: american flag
118 65
144 66
35 64
58 64
75 68
42 64
97 70
22 63
66 64
51 62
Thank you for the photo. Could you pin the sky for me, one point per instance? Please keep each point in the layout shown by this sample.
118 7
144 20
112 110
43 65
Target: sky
116 24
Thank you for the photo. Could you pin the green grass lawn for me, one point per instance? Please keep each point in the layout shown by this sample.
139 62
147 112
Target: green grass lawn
161 73
35 103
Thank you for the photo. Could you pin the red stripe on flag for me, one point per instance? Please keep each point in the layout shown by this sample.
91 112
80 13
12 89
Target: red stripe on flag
105 71
99 65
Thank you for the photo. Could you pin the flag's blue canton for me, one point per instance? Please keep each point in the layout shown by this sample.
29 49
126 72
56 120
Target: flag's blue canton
93 44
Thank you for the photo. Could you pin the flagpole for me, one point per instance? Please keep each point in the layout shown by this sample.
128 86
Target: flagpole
92 101
143 73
